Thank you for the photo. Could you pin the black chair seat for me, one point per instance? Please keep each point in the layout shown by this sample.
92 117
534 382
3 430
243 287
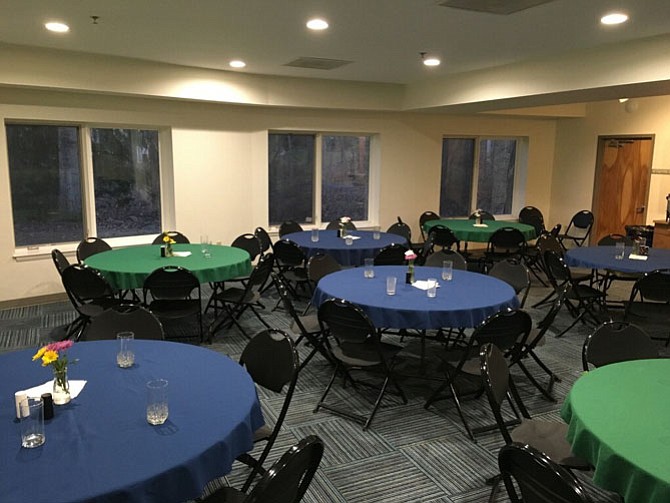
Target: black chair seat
238 296
174 308
550 438
366 354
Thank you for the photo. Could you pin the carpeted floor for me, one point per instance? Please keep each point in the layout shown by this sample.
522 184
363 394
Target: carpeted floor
409 454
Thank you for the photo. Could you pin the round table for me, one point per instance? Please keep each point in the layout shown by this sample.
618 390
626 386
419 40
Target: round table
619 420
347 255
99 447
602 257
469 230
465 301
126 268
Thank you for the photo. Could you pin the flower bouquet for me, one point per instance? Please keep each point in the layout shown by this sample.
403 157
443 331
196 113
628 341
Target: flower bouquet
54 354
168 244
342 230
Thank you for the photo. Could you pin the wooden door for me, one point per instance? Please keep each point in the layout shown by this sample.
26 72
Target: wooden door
622 184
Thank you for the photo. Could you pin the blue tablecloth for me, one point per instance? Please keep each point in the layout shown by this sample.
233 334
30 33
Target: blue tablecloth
346 255
99 447
465 301
602 257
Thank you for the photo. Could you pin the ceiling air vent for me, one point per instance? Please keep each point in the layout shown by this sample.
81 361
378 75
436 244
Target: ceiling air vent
493 6
318 63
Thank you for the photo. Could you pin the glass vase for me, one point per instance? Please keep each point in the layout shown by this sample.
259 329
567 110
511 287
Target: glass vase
409 276
168 250
61 390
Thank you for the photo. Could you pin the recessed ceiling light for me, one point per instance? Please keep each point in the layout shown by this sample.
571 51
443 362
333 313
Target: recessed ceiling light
431 61
57 27
623 100
317 24
237 63
614 18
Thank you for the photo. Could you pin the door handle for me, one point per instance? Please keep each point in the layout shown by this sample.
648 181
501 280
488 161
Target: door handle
640 209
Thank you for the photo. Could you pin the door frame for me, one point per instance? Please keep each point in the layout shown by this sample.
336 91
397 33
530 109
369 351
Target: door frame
599 158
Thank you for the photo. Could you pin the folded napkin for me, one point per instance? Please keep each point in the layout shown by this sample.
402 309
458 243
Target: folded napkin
422 284
352 237
181 253
479 225
47 387
633 256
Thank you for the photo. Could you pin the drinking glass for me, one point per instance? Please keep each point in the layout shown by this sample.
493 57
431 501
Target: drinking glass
369 271
375 232
447 270
204 246
125 357
348 240
390 285
32 423
157 401
315 235
432 288
620 251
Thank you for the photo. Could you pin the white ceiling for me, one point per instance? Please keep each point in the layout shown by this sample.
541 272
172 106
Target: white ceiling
383 38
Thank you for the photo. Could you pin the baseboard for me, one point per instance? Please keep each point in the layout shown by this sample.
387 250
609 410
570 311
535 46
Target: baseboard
32 301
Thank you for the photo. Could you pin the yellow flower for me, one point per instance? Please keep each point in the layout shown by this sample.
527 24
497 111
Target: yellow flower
166 239
39 353
49 357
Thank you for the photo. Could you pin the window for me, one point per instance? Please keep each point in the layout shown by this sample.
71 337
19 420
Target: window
336 182
52 193
479 173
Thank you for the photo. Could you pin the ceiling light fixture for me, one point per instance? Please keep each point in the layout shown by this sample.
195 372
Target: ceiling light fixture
317 24
429 60
614 18
623 100
57 27
237 63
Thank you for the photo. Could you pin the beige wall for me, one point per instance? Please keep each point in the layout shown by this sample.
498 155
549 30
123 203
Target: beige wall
220 162
576 149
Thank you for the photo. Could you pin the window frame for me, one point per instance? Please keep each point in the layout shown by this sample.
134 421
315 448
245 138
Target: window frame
166 184
373 176
520 171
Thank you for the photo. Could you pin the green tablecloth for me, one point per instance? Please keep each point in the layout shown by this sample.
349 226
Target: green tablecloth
465 230
619 420
126 268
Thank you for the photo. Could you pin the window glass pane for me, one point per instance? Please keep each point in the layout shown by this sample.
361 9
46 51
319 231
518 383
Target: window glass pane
44 173
126 175
458 155
291 177
495 184
345 177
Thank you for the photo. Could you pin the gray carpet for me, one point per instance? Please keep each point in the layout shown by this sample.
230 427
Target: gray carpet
409 454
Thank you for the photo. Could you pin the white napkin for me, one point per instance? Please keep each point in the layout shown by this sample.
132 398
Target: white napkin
352 237
479 225
181 253
47 387
633 256
422 284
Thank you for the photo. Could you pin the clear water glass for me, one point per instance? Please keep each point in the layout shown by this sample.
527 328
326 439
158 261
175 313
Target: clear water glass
369 271
619 250
390 285
32 423
157 401
432 288
315 235
125 358
376 234
447 270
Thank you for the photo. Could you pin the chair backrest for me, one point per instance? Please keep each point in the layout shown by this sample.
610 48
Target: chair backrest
124 318
557 271
556 230
289 477
653 286
580 226
271 360
84 284
506 329
171 283
547 242
485 215
506 240
393 254
287 302
289 254
443 236
263 238
60 261
333 225
613 239
531 215
427 216
260 274
346 322
499 385
321 265
515 274
248 243
176 236
616 341
288 227
539 479
437 258
91 246
400 228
